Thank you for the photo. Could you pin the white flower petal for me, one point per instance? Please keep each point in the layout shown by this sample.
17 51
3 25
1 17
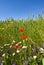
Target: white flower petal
18 51
13 54
13 41
3 55
24 47
41 49
34 57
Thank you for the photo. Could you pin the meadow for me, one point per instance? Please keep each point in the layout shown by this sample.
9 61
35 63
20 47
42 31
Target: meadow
22 42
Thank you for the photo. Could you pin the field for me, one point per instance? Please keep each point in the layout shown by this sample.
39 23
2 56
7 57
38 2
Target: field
22 42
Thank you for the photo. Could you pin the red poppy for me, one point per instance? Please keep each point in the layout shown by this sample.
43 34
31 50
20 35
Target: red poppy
21 29
16 47
24 37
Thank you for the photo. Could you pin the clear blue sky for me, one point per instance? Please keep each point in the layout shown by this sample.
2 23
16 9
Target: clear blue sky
20 8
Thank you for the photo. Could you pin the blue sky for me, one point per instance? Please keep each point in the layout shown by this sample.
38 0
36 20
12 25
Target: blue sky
20 8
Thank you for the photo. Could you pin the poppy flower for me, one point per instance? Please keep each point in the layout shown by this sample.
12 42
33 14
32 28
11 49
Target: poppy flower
21 29
16 47
24 37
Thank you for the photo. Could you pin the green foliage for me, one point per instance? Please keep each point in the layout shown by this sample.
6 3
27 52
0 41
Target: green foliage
34 29
10 30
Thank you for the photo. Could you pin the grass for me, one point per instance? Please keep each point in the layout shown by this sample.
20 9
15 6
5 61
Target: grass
31 50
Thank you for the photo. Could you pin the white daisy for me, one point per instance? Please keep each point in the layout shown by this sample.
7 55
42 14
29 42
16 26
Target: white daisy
13 41
13 54
18 51
41 49
34 57
24 47
3 55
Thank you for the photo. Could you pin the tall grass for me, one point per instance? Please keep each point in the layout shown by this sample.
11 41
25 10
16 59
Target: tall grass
10 30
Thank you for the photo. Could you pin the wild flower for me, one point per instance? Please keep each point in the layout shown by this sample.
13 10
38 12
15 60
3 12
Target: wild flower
3 55
16 46
24 47
13 54
18 51
41 50
22 30
35 57
6 44
24 37
13 41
